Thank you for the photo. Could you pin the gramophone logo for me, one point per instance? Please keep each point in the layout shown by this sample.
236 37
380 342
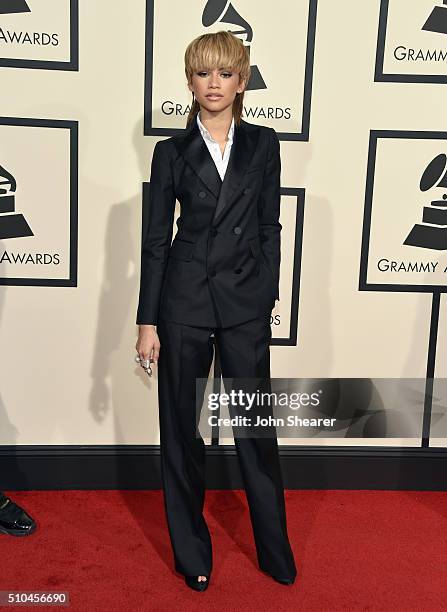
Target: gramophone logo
432 233
12 224
437 21
404 245
218 11
410 48
13 6
38 217
39 34
276 95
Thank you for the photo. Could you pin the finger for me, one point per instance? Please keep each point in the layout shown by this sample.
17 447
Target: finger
144 355
156 354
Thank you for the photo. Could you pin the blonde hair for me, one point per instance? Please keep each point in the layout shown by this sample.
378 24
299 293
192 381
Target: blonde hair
214 50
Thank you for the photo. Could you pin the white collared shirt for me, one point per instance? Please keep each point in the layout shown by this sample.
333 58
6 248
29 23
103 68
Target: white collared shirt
214 147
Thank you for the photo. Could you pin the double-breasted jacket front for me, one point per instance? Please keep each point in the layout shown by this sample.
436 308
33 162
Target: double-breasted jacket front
222 268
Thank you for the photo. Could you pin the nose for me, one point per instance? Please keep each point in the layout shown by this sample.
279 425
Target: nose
213 80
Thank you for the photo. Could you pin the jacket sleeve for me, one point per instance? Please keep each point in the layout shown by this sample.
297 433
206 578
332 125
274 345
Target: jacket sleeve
156 242
270 200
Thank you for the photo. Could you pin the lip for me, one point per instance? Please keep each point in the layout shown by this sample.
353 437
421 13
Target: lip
217 96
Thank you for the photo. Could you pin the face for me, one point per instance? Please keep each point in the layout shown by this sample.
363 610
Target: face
216 89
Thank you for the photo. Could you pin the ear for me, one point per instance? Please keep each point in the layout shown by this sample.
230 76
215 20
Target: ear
241 86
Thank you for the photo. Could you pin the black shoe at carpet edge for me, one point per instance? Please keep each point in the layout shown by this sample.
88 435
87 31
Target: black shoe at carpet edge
14 520
283 580
288 581
193 582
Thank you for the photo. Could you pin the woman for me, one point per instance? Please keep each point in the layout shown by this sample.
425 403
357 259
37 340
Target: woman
219 277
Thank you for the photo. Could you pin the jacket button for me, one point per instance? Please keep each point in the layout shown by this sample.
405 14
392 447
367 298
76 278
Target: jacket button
213 232
247 190
212 272
237 229
202 194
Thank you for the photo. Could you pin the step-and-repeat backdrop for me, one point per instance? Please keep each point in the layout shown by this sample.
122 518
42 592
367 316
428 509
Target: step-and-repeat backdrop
357 93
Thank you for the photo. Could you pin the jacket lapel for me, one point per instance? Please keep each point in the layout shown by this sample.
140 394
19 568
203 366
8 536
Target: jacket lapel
197 155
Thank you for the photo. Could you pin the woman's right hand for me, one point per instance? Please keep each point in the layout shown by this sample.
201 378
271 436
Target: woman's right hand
148 343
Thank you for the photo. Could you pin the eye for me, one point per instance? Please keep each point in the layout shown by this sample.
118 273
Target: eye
202 73
227 75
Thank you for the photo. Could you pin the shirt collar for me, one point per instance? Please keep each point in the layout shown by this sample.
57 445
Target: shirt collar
208 136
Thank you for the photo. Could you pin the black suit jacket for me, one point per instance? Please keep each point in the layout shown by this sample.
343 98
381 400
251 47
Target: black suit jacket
222 267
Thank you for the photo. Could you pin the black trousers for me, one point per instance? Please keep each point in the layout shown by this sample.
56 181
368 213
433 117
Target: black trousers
186 353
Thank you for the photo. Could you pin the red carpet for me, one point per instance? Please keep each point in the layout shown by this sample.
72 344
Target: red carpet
355 550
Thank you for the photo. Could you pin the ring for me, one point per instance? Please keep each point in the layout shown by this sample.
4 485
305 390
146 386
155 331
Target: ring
145 364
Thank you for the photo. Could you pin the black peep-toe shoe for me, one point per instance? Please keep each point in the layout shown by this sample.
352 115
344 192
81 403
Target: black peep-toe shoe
193 582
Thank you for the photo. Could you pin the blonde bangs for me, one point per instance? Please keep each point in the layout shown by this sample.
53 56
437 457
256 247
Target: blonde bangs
217 50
